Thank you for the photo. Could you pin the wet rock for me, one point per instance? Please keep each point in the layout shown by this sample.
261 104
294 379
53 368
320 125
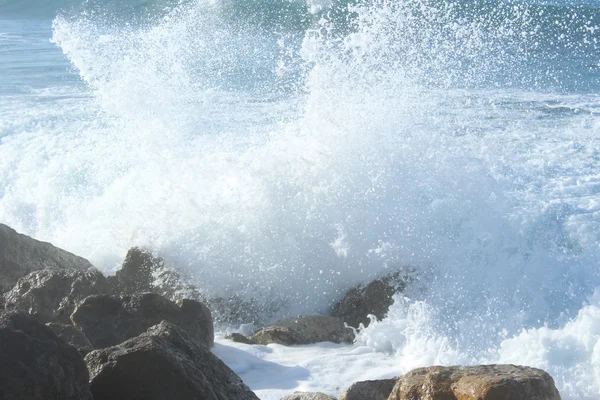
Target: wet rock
374 298
37 365
20 254
308 396
239 338
108 321
163 363
51 295
304 330
369 390
72 336
482 382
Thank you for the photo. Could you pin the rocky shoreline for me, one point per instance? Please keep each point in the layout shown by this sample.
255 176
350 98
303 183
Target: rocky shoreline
69 332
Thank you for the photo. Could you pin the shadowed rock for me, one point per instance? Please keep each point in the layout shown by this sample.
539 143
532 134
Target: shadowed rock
51 295
37 365
108 321
481 382
304 330
20 254
374 298
161 364
72 336
308 396
369 390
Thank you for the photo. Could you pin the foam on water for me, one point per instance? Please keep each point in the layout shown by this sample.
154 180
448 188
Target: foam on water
286 167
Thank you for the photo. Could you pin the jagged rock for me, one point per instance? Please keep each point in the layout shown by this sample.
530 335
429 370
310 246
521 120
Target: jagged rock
37 365
369 390
163 363
304 330
481 382
239 338
51 295
108 321
374 298
72 336
20 254
308 396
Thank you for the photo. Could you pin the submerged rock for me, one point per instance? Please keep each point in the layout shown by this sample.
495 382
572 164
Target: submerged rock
20 254
369 390
163 363
72 336
481 382
374 298
304 330
37 365
51 295
308 396
108 321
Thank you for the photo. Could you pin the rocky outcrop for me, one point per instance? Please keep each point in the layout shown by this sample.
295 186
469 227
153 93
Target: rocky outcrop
308 396
36 365
374 298
51 295
108 321
303 330
482 382
72 336
20 255
369 390
163 363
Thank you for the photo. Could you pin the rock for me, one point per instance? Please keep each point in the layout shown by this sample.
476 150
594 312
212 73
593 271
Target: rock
20 254
108 321
72 336
369 390
239 338
51 295
374 298
36 365
308 396
482 382
304 330
163 363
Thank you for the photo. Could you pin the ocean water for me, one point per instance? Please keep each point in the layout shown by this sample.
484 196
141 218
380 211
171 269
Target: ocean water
284 150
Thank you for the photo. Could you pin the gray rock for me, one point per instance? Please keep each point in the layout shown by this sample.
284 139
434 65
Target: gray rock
304 330
20 254
51 295
374 298
480 382
163 363
308 396
36 365
72 336
108 321
369 390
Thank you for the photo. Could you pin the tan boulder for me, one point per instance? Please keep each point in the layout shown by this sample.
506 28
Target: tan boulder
369 390
308 396
307 329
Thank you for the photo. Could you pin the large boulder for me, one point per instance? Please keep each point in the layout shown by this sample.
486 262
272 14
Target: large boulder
374 298
20 254
308 396
369 390
304 330
108 321
72 336
161 364
481 382
36 365
51 295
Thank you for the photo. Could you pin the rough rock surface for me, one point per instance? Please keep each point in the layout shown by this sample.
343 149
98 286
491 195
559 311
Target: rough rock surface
369 390
308 396
304 330
108 321
161 364
72 336
374 298
37 365
481 382
51 295
20 254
